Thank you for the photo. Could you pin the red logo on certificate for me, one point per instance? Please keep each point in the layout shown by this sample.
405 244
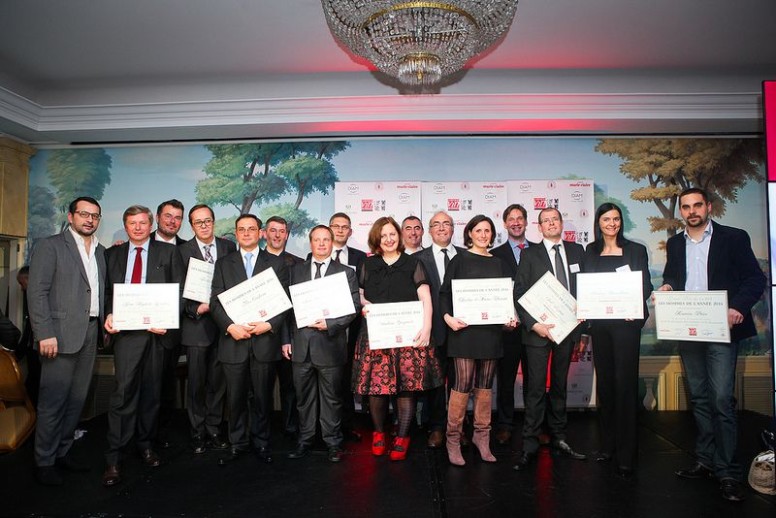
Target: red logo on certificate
399 339
484 315
326 312
609 310
367 205
147 320
543 317
693 331
262 313
453 204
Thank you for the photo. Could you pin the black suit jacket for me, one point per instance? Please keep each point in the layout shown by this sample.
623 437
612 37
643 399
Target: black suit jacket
438 326
164 266
535 262
199 330
504 251
230 272
325 348
732 267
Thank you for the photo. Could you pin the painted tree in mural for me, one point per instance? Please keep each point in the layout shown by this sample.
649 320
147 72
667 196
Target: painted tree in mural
77 172
41 221
720 166
244 175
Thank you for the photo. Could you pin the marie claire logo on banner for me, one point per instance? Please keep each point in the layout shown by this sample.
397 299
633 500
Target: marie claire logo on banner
439 188
577 196
353 188
545 203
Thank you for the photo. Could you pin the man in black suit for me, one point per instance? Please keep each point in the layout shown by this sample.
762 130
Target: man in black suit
66 292
276 236
710 256
138 355
412 234
248 351
199 337
342 227
319 354
515 219
435 258
169 217
564 259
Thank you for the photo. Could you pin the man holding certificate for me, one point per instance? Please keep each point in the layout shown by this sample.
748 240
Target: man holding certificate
320 352
710 256
139 353
564 260
199 333
248 350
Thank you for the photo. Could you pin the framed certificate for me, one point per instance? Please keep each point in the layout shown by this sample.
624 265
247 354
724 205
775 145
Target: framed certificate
394 324
692 316
615 295
199 278
327 297
146 306
257 299
483 301
550 303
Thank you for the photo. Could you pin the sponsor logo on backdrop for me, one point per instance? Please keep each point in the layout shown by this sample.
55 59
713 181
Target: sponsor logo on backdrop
584 213
379 186
404 197
545 203
551 185
439 188
525 186
570 235
577 196
367 205
353 188
490 197
465 186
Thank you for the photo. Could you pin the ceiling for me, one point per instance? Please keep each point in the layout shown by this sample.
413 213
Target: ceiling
112 71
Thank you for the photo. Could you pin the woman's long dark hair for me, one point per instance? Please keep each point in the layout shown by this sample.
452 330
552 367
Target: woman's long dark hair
598 244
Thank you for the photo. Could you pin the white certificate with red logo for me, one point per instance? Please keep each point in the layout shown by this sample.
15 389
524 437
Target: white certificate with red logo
324 298
394 324
257 299
693 316
483 301
550 303
615 295
146 306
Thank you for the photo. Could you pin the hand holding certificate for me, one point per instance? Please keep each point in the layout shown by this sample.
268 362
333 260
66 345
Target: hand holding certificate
483 301
610 295
694 316
146 306
199 278
551 304
257 299
327 297
394 324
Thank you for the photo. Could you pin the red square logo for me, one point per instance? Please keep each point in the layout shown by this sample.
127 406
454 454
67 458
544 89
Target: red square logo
693 331
484 315
367 205
453 204
570 235
540 203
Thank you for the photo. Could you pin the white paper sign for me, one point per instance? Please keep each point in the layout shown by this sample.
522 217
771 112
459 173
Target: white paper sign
257 299
483 301
550 303
327 297
199 279
394 324
146 306
610 295
694 316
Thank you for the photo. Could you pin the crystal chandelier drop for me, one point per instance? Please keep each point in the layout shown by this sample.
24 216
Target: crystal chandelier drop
419 42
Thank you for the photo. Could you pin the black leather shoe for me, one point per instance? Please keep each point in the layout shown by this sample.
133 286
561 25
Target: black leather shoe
68 464
233 455
524 461
563 448
300 452
264 455
698 471
732 490
335 455
198 445
111 476
150 458
603 457
625 473
48 476
503 436
216 442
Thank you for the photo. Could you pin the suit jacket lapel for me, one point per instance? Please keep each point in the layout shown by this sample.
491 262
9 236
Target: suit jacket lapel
72 247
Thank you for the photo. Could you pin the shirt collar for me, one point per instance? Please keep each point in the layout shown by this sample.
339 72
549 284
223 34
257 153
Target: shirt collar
707 232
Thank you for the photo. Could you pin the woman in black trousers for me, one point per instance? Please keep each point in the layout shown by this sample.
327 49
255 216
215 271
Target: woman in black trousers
616 343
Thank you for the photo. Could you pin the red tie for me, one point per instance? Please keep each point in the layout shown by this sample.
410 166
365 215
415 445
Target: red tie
521 246
137 269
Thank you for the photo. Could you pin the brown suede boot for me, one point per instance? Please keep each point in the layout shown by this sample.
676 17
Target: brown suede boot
482 417
456 409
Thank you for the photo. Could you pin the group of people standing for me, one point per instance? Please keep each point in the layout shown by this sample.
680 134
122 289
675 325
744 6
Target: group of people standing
234 365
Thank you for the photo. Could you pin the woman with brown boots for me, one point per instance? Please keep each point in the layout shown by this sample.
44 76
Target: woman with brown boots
475 349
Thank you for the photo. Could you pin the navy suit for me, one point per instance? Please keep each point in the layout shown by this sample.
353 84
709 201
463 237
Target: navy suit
534 263
711 367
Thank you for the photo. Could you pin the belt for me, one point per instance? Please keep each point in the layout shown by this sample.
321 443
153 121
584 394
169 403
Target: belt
92 319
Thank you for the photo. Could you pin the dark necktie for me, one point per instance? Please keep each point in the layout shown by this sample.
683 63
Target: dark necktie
208 255
317 270
337 254
447 258
137 268
560 270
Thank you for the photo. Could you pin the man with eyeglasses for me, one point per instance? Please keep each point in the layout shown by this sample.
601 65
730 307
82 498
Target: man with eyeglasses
435 259
564 260
340 225
169 217
66 292
248 351
199 335
412 234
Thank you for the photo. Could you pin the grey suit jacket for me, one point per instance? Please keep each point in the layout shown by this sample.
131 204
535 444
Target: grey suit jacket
58 293
330 347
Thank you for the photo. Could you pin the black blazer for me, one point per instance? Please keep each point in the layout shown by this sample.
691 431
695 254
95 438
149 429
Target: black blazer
199 330
535 262
164 266
229 272
504 251
732 267
438 326
325 348
635 256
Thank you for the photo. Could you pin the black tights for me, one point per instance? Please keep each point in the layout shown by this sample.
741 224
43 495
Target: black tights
378 407
471 374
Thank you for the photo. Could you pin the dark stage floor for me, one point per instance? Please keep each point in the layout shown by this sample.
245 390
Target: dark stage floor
424 485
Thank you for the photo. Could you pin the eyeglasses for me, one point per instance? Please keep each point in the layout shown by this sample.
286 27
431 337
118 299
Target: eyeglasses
202 222
554 219
441 224
248 230
339 227
87 215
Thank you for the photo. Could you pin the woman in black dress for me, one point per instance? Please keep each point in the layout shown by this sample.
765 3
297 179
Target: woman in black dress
475 350
393 276
616 343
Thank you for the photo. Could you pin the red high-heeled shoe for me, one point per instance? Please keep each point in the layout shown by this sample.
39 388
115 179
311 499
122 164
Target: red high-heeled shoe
400 447
378 443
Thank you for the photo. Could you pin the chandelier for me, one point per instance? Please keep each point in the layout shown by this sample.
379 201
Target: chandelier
418 42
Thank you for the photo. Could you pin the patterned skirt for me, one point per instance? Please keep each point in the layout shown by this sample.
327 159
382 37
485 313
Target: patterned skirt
390 371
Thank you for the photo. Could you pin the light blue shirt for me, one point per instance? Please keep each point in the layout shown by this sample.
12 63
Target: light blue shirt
131 261
697 260
516 248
